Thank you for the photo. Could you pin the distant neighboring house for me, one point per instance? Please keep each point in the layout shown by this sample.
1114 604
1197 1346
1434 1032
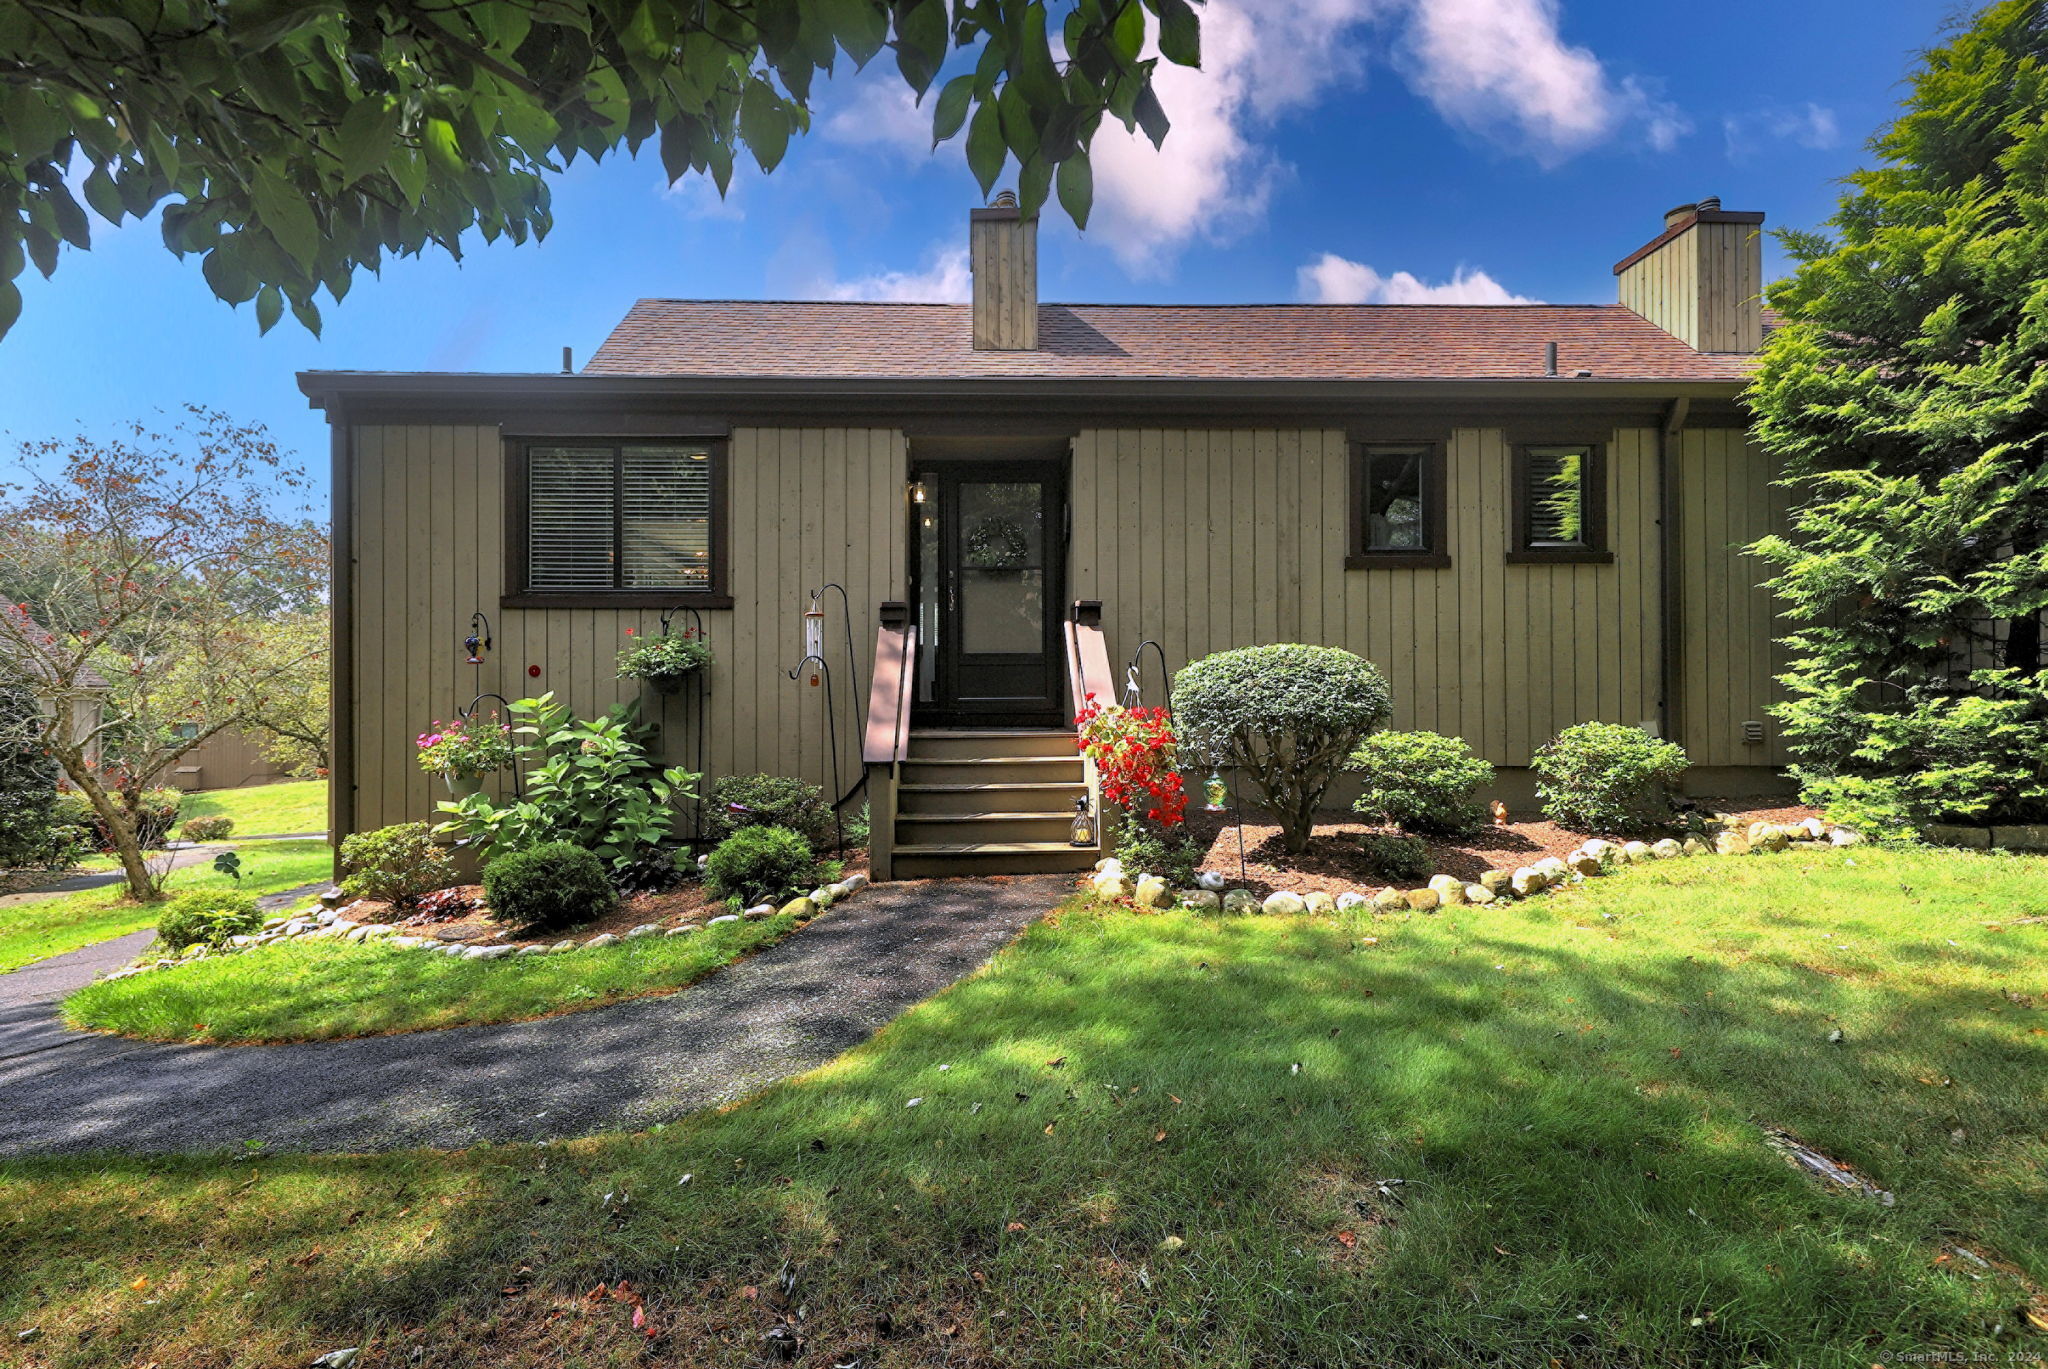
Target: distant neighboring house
84 700
229 759
1528 515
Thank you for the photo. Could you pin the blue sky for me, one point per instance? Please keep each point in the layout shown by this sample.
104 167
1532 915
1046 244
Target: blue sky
1464 150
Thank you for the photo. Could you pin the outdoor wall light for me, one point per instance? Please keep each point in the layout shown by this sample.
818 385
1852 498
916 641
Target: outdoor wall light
918 493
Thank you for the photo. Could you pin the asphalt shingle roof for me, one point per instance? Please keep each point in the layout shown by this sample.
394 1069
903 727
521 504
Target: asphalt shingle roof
867 341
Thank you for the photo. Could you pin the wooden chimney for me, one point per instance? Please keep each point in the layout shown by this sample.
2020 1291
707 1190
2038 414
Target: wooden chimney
1702 278
1003 254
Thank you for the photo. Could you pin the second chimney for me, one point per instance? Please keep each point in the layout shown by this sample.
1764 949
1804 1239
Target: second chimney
1003 254
1702 278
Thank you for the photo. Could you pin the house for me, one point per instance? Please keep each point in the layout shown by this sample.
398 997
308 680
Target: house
81 698
1527 515
232 758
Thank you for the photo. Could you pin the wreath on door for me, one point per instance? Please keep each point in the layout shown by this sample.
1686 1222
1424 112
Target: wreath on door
996 544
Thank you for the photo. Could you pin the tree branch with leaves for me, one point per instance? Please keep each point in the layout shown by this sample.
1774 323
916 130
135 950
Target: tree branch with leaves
293 143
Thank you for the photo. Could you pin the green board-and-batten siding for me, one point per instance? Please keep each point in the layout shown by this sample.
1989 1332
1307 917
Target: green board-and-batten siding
808 506
1202 539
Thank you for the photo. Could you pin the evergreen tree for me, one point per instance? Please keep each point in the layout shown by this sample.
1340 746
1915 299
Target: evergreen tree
1905 396
28 786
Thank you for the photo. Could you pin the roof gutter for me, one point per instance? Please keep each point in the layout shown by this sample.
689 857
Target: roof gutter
341 650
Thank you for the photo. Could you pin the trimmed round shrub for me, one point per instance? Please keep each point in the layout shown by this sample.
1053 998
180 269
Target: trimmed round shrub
208 829
397 865
548 887
1421 782
1287 716
208 918
1397 860
742 801
1609 779
155 814
761 865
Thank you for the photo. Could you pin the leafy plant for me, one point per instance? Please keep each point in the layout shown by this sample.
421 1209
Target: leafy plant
548 887
1902 397
1604 777
32 833
1395 859
1287 716
1134 753
215 828
208 918
761 864
1169 852
665 662
395 865
1421 782
466 749
741 801
229 863
590 783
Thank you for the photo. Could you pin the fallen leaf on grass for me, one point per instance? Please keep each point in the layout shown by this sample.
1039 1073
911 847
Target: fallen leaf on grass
141 1282
1348 1239
1049 1126
1159 1136
1014 1226
1056 1062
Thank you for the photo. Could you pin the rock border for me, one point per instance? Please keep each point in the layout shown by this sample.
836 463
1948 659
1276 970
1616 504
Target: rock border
1110 883
331 922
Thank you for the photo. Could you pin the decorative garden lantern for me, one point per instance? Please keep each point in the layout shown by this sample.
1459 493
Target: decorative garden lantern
1084 823
1215 793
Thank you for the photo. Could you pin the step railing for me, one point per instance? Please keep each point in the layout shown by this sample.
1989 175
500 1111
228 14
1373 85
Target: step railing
886 740
1088 673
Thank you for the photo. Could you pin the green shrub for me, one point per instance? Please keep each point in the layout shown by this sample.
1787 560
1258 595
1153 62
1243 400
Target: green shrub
208 918
1172 853
217 828
394 865
1607 778
1421 782
761 865
742 801
1397 860
31 834
548 887
155 814
590 783
1286 716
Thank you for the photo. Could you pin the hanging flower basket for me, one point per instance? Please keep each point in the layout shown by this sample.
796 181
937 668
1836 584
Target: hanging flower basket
996 544
665 663
465 750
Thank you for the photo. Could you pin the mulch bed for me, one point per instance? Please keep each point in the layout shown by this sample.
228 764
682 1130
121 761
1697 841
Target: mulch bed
1334 862
467 920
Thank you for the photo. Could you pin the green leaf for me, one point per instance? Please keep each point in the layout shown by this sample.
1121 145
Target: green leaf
269 308
437 139
366 136
1180 33
985 147
1128 34
861 26
920 41
1034 180
764 123
287 216
307 315
1018 129
1151 115
10 306
70 218
1077 188
1037 79
103 195
951 111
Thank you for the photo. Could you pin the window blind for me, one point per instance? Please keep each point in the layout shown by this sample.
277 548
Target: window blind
666 517
572 510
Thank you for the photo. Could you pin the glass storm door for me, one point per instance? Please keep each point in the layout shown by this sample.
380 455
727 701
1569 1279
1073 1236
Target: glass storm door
991 552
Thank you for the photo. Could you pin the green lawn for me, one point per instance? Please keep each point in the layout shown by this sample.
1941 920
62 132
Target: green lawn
263 809
51 926
1173 1140
305 990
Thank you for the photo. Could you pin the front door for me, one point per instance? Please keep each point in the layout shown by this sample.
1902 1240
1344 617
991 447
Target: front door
991 556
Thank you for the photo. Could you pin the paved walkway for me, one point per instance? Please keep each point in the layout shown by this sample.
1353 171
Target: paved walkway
786 1010
181 858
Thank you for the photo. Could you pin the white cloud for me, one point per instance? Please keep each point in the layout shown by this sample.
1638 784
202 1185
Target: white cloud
1213 178
1502 69
1498 68
696 194
1810 126
1331 279
882 112
945 280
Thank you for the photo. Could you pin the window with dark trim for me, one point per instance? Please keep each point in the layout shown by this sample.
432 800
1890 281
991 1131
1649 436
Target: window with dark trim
1560 503
622 524
1397 506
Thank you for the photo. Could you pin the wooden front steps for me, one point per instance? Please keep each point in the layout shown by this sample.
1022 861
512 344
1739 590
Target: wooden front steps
989 803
